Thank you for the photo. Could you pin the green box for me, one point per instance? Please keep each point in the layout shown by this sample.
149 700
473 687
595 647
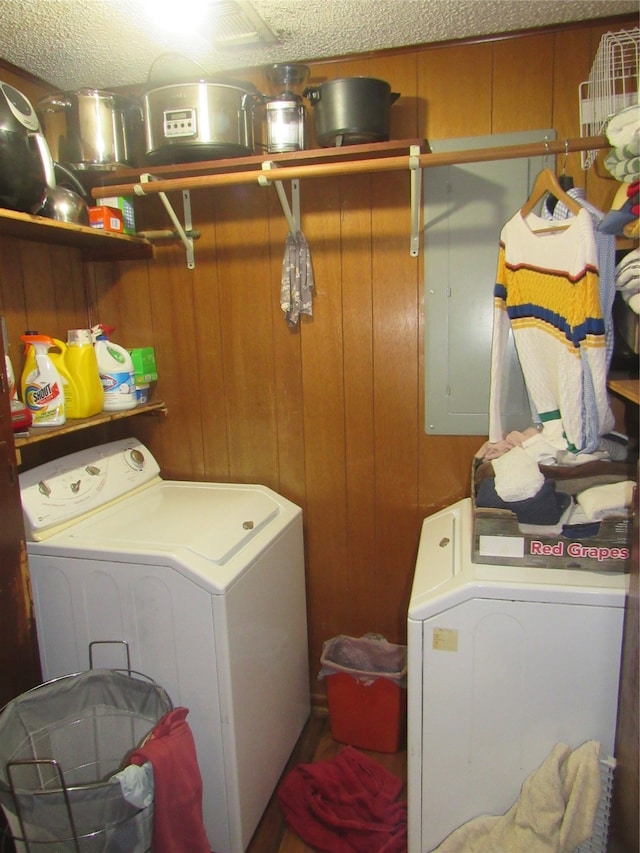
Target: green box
123 203
144 364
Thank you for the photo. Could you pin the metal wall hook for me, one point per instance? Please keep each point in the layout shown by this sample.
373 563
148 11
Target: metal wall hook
566 156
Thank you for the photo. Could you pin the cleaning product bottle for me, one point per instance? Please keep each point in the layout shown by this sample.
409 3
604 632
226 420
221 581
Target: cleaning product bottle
116 371
11 377
58 355
85 395
42 388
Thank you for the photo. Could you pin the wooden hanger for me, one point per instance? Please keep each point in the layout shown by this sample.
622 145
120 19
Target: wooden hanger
547 182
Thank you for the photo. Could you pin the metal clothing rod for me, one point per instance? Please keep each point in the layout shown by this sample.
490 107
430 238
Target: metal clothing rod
383 164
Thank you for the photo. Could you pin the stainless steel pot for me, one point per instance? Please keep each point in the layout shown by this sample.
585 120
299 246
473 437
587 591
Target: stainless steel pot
185 122
92 129
351 110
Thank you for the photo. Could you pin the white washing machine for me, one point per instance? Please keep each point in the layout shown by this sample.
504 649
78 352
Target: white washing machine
205 583
503 663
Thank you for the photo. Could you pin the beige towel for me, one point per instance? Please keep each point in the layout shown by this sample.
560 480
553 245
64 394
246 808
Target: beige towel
554 813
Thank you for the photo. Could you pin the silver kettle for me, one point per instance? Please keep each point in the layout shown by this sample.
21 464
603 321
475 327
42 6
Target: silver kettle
26 166
66 201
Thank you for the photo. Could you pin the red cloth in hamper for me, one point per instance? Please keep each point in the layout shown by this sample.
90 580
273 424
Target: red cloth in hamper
345 805
177 813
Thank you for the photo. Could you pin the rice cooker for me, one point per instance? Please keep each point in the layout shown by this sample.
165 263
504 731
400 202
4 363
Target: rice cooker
26 166
203 120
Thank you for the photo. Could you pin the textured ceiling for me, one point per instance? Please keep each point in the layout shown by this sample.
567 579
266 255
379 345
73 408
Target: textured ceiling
111 43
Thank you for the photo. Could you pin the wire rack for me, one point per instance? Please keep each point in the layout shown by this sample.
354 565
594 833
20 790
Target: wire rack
599 841
612 84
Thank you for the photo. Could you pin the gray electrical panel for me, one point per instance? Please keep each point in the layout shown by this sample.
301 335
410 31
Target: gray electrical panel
465 207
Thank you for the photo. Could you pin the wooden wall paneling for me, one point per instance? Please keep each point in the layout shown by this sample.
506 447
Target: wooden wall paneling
400 71
570 68
454 91
287 361
522 83
178 359
246 312
13 303
208 383
40 297
357 325
324 416
396 282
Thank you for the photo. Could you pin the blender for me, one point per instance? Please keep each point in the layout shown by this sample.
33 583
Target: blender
285 111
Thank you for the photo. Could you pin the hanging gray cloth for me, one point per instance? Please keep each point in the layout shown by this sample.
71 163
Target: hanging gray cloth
297 278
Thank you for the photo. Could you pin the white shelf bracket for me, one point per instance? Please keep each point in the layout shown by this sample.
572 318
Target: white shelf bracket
292 216
416 198
183 233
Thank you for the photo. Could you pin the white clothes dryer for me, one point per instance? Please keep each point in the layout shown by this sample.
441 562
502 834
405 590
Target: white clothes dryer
503 663
204 583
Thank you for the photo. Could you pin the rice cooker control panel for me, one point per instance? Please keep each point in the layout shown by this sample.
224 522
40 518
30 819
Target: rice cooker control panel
180 123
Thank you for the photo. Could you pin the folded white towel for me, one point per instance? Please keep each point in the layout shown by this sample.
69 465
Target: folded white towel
517 476
624 127
599 502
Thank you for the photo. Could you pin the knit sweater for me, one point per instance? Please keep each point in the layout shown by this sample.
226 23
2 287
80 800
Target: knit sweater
547 293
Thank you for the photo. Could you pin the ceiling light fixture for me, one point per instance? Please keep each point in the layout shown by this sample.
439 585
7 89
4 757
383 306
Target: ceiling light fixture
181 18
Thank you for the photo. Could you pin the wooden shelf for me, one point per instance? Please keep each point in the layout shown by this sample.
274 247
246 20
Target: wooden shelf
97 245
625 387
253 162
43 433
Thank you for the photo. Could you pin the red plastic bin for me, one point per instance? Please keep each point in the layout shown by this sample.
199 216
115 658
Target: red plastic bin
368 716
366 691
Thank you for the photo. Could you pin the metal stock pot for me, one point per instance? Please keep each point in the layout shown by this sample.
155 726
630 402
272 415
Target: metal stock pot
186 122
92 129
351 110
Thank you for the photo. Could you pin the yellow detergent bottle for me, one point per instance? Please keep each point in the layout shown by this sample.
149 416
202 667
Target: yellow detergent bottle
86 394
42 386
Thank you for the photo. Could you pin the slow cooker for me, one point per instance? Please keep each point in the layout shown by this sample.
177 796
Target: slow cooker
186 122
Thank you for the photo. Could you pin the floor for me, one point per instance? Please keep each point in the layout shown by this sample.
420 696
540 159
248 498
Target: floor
314 744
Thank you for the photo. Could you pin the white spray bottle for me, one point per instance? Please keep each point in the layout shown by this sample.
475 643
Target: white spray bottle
43 389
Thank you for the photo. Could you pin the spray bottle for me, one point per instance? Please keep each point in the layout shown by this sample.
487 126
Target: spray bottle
42 386
116 371
11 379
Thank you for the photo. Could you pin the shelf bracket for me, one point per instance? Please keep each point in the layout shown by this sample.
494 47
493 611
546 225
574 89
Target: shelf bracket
416 198
292 216
183 233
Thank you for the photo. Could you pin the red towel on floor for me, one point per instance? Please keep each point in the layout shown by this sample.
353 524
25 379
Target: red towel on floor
177 813
346 805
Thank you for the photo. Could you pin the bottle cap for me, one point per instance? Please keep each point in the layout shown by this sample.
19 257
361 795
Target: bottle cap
78 337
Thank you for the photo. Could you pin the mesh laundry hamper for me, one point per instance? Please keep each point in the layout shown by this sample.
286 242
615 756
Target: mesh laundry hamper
60 744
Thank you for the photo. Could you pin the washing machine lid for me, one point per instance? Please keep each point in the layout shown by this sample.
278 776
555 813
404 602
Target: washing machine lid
110 500
211 521
445 576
